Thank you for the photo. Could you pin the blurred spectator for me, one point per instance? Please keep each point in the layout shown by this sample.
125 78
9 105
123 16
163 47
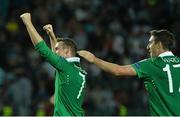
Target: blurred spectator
19 93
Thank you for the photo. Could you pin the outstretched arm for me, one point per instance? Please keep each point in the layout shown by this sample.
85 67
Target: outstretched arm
49 30
34 35
118 70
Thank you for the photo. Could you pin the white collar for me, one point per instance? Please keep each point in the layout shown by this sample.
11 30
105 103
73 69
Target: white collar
167 53
73 59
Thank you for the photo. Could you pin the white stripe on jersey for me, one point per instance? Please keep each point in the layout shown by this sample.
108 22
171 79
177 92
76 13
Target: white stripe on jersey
177 65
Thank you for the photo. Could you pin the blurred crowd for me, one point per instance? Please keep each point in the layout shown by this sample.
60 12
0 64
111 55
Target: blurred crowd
114 30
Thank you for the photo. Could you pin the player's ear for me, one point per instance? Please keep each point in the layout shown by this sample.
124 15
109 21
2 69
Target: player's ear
160 45
68 51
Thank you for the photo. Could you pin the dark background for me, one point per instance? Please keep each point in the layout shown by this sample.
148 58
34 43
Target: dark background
114 30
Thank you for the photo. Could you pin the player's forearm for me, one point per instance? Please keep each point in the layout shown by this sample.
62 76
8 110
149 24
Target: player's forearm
115 69
34 35
53 40
106 66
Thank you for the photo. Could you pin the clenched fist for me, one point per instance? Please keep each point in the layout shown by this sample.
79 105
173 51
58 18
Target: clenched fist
48 28
26 17
87 55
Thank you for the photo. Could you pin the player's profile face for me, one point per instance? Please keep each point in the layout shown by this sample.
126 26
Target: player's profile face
59 49
152 47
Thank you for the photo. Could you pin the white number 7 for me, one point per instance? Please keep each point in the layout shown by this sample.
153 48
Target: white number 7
82 85
167 69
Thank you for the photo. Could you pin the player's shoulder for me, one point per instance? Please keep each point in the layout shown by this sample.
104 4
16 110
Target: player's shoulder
147 60
143 62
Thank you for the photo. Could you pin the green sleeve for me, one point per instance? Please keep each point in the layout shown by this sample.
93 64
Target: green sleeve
141 68
57 61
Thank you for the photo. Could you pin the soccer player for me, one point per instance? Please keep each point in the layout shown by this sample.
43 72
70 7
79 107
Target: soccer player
69 78
160 73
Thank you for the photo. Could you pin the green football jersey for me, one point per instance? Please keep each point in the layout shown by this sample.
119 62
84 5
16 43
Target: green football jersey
161 76
70 82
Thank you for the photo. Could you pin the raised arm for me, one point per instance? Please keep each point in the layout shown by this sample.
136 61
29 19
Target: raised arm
49 30
118 70
34 35
55 60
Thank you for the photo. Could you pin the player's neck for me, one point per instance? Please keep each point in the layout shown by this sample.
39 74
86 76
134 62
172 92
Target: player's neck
162 51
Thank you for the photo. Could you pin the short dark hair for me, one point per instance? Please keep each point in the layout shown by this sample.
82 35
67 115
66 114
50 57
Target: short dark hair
69 43
165 37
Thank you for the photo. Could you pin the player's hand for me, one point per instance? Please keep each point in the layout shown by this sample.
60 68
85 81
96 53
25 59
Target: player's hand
26 18
87 55
52 99
48 28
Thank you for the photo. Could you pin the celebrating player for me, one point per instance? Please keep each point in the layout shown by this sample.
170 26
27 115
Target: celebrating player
69 78
160 73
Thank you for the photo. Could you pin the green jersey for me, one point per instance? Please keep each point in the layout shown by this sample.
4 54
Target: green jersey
69 82
161 76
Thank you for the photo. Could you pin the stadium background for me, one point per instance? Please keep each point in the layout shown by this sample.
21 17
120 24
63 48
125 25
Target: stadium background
115 30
